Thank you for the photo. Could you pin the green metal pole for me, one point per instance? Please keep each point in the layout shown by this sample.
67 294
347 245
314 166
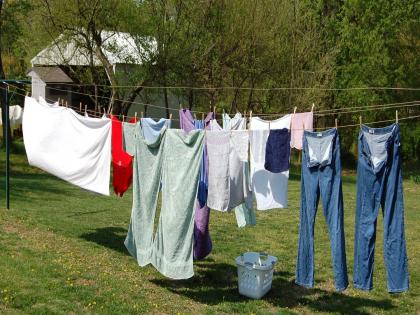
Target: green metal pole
7 137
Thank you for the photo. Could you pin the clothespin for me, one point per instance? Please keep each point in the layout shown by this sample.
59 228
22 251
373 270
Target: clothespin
67 104
58 101
85 109
202 117
170 116
27 93
294 110
360 120
141 114
336 123
80 106
104 111
195 117
135 116
250 118
313 106
269 125
123 117
396 116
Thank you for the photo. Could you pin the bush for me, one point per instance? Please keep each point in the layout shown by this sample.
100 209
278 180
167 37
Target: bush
415 178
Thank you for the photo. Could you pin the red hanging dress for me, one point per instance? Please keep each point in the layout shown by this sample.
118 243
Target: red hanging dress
122 162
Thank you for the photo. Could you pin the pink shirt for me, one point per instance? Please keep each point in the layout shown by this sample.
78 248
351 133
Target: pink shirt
300 122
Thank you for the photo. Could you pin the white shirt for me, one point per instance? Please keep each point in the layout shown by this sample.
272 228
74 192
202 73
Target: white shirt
70 146
269 189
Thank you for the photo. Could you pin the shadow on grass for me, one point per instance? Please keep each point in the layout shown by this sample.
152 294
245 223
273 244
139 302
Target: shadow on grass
111 237
216 283
37 184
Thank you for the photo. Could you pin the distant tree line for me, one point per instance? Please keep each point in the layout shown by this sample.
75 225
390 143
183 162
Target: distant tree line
322 46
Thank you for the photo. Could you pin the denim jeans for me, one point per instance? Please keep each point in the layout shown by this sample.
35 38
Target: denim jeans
321 177
379 183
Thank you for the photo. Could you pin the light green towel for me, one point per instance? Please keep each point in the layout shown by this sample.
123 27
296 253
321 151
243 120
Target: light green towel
173 159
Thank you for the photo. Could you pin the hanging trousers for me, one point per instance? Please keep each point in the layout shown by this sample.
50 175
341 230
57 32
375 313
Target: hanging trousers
379 183
321 177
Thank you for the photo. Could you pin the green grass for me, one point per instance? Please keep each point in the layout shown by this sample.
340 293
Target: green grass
61 251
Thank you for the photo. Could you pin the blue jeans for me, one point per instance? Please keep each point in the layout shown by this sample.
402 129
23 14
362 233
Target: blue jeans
321 176
379 183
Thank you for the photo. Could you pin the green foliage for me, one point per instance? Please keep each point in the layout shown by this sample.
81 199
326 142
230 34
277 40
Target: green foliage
327 45
415 179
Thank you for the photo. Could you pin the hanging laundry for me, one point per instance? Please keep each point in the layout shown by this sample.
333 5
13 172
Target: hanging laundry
244 213
202 239
214 125
186 120
72 147
122 162
269 189
277 151
300 122
228 151
237 122
15 118
379 184
151 128
173 158
321 177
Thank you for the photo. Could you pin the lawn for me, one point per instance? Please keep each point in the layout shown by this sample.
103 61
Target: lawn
62 251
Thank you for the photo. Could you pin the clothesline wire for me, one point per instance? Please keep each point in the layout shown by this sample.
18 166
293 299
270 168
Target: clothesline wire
98 115
369 108
273 114
109 98
245 88
347 108
397 105
342 110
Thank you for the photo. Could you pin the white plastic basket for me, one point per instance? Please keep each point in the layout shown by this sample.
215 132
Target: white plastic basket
255 273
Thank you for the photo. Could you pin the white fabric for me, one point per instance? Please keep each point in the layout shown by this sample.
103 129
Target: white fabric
269 189
227 152
237 122
15 115
214 125
68 145
15 118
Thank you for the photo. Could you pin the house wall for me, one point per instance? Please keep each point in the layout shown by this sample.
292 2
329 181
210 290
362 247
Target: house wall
37 86
53 93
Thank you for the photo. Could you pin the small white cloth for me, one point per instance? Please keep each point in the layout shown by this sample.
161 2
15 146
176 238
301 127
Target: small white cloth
227 152
269 189
15 118
70 146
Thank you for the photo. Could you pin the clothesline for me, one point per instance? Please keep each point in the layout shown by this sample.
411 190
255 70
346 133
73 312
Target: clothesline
98 115
339 110
391 105
246 88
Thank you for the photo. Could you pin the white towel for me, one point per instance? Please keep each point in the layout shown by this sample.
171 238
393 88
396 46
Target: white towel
70 146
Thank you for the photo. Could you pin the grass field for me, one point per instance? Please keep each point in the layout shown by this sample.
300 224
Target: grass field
62 251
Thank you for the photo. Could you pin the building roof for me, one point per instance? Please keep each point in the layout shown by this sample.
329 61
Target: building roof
120 48
50 74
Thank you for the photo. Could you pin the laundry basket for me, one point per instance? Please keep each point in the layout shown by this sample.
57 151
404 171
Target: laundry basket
255 273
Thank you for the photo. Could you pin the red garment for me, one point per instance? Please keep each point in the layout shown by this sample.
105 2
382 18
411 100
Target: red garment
122 162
